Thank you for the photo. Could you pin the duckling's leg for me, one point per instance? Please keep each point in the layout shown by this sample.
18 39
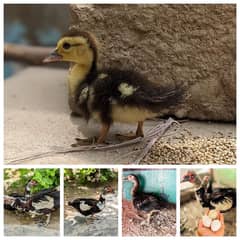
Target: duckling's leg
100 140
42 223
48 219
103 133
147 222
130 136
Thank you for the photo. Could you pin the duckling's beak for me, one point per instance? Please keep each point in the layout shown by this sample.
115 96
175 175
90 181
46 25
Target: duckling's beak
53 57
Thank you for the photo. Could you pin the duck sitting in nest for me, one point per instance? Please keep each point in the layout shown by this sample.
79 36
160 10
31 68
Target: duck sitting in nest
109 95
146 203
222 199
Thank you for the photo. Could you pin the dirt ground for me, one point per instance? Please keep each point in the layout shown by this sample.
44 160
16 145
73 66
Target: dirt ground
104 223
37 124
20 224
162 223
192 211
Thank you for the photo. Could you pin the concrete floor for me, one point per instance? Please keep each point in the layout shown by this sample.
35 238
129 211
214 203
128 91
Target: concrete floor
37 120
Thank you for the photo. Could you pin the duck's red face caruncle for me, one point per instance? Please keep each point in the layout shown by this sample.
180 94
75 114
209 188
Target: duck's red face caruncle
33 183
190 176
131 178
108 189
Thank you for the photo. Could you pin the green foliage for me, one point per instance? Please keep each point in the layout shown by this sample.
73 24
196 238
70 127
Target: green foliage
90 175
18 178
46 178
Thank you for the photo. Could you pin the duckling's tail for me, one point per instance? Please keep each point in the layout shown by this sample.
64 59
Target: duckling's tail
159 99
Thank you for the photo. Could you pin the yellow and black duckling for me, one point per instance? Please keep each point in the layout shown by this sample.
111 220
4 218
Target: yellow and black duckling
144 202
109 95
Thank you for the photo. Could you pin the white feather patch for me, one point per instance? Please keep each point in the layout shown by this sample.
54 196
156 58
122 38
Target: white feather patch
48 203
126 90
102 75
101 205
84 206
223 205
84 94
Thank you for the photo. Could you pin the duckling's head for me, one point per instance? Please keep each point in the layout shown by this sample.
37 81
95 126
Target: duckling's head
76 47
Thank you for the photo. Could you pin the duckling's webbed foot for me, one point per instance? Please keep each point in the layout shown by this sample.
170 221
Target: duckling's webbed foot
126 137
44 222
131 135
150 215
94 140
84 142
72 220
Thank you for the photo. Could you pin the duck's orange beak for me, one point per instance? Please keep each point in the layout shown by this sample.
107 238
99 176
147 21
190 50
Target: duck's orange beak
53 57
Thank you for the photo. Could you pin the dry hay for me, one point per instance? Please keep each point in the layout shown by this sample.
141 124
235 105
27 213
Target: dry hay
162 223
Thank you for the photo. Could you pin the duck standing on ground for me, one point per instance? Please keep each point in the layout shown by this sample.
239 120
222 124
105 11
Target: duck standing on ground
144 202
42 203
110 95
89 206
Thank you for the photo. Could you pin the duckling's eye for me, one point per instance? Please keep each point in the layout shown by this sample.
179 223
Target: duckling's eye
66 45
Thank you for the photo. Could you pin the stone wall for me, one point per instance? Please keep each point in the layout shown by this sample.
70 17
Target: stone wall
188 44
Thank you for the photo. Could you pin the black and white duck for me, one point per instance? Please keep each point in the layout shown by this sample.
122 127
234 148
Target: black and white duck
221 199
42 203
89 206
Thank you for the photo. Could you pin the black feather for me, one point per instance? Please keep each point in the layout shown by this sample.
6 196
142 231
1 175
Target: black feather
146 95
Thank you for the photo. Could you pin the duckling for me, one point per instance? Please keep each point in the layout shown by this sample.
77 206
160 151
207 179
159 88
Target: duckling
109 95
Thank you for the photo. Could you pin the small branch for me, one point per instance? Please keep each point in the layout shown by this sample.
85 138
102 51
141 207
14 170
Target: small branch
151 137
28 54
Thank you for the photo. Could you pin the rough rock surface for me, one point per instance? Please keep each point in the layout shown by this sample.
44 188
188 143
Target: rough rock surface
172 44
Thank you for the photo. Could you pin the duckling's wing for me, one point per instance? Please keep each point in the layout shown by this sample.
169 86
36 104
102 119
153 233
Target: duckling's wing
157 98
147 202
126 87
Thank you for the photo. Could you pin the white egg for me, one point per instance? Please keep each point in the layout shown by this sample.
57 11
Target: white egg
206 221
216 225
